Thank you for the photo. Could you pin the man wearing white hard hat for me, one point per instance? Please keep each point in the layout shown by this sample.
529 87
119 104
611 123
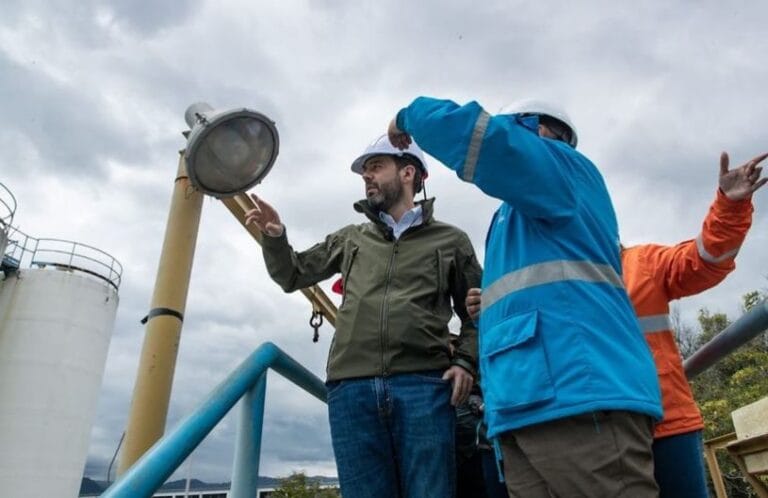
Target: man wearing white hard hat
392 379
570 386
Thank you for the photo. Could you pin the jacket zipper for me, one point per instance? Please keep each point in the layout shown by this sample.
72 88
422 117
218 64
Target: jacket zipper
345 278
440 290
383 318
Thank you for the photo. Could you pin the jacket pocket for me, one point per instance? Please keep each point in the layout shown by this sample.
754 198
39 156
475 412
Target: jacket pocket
515 370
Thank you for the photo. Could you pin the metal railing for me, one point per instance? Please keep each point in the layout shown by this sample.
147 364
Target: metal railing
7 210
743 330
26 251
7 207
248 382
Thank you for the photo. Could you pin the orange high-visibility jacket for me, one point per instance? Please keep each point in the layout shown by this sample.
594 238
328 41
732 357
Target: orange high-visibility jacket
654 275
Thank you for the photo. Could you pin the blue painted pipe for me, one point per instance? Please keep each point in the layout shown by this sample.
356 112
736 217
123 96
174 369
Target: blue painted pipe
752 324
245 466
160 461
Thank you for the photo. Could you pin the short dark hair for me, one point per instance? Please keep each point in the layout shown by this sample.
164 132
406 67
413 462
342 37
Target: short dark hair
560 129
411 160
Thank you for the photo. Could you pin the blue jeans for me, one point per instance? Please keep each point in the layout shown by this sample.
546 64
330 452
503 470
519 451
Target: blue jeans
679 466
393 436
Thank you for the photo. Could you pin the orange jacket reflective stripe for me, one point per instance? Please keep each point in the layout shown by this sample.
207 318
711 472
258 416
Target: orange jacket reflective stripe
655 274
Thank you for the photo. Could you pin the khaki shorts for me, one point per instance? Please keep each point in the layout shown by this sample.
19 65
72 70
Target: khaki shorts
604 454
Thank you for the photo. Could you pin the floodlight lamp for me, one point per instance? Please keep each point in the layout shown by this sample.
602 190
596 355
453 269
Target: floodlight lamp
228 152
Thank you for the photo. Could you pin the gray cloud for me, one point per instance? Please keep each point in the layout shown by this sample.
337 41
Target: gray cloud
66 128
149 17
93 97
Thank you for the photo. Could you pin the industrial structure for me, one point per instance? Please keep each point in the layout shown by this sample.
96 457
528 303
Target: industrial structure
58 301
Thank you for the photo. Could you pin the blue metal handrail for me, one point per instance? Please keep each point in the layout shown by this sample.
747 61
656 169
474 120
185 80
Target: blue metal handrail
248 381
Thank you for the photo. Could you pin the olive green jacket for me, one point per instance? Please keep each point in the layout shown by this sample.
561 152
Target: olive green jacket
398 294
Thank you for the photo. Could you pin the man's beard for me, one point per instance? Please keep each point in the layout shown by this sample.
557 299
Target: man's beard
388 195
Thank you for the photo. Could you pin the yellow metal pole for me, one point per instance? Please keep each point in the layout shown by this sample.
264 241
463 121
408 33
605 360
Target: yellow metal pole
152 392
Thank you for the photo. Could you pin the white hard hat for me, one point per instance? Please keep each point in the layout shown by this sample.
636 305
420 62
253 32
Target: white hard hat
543 108
382 146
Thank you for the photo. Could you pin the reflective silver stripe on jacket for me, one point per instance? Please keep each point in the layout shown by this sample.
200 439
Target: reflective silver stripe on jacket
655 323
473 151
547 273
703 254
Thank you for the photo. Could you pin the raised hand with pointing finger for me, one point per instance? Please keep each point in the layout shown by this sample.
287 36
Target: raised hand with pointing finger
265 217
740 183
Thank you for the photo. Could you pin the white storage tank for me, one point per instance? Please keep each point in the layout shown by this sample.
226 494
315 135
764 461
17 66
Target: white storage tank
57 312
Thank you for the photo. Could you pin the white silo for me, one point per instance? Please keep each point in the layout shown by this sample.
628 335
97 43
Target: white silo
57 312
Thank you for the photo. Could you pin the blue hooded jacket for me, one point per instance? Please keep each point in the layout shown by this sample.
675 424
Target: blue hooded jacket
558 334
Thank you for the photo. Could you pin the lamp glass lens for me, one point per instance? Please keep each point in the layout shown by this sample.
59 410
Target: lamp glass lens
234 155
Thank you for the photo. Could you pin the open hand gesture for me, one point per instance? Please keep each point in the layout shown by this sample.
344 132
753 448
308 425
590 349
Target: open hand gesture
740 183
265 217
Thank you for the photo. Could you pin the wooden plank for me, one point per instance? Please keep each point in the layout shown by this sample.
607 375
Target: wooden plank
751 422
710 448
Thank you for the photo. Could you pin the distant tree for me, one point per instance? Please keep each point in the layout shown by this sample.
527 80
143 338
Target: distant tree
686 336
736 380
297 485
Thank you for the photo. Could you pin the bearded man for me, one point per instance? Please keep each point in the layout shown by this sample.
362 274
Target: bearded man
391 376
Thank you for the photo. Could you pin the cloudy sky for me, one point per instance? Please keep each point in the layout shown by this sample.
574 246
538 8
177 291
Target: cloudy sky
92 99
